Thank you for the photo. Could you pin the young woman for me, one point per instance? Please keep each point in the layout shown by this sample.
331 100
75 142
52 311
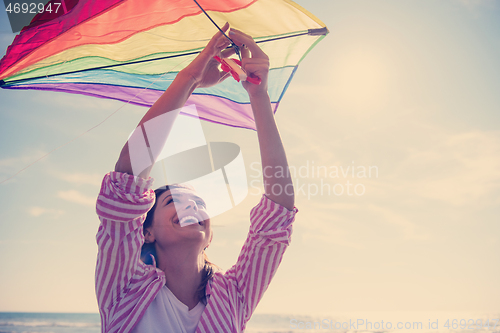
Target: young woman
179 291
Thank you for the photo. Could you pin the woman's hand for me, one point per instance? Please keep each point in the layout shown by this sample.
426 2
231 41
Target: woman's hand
253 60
204 69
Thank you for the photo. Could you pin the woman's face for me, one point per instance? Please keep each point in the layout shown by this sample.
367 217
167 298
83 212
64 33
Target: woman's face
180 218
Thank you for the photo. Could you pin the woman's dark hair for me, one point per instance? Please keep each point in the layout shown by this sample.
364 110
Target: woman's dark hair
148 250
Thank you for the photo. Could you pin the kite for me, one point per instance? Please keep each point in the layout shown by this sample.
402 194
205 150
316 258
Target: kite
131 50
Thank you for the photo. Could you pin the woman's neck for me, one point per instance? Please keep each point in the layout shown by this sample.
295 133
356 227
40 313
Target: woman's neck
184 272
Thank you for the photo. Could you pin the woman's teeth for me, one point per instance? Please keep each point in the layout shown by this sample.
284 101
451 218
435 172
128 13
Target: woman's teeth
188 220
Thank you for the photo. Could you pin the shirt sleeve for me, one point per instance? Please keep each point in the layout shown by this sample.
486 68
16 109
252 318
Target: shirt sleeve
269 236
122 205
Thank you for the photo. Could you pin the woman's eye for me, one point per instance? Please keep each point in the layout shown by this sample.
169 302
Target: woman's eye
171 200
198 202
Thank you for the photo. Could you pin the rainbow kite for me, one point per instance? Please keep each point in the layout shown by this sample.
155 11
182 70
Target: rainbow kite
131 50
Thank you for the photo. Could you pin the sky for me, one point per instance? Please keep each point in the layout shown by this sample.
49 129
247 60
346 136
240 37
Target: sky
403 93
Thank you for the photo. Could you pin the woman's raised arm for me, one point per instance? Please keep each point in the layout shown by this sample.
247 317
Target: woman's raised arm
277 181
201 72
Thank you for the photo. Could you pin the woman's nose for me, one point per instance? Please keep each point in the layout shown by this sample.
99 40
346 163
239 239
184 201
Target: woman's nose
191 204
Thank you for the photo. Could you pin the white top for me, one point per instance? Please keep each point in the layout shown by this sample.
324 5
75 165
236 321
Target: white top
167 314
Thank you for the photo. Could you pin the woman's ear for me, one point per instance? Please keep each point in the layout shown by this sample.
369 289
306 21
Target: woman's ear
148 236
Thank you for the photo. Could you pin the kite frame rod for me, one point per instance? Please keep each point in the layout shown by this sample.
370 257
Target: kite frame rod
3 83
233 45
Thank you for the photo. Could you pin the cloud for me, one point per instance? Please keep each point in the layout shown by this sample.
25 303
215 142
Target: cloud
79 178
324 227
77 197
460 169
333 222
11 166
408 228
37 211
477 8
477 3
330 235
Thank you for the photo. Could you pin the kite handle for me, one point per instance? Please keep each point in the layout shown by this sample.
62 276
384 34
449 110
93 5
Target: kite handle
233 66
250 78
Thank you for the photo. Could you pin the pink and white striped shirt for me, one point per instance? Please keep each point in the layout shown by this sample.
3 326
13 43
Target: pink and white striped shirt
125 286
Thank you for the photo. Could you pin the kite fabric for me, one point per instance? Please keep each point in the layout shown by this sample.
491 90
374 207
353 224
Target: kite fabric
131 50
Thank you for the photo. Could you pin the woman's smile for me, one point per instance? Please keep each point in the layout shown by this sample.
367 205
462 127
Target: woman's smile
188 220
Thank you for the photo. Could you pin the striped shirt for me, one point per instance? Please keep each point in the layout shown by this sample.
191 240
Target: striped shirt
125 286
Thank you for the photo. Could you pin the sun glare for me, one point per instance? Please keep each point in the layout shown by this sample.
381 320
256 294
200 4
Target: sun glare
361 80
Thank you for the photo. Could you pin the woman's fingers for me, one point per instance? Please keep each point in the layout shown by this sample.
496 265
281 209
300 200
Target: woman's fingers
222 44
227 52
259 67
241 38
244 51
219 41
219 34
